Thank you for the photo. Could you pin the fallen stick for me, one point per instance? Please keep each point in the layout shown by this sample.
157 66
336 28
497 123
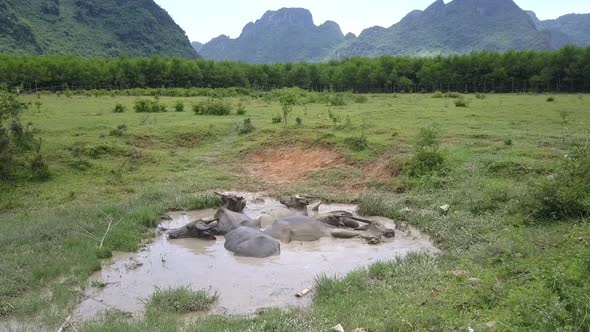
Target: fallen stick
65 324
303 292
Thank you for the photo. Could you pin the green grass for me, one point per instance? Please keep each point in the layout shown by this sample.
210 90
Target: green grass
181 300
522 276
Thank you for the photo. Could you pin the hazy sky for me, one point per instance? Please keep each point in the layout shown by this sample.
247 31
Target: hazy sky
204 20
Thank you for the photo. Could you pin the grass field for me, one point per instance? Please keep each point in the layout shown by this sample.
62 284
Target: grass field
499 268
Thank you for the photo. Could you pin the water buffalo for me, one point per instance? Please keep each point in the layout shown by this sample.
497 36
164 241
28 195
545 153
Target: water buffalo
250 242
302 228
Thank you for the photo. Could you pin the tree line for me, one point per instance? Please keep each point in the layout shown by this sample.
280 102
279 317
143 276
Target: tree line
564 70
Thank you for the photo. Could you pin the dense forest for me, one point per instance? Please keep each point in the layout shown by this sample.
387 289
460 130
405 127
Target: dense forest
564 70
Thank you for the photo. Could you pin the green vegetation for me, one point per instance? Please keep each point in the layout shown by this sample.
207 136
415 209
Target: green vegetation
213 106
515 236
149 106
181 300
90 28
479 72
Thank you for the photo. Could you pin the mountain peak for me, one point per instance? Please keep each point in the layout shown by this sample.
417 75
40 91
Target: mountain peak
287 16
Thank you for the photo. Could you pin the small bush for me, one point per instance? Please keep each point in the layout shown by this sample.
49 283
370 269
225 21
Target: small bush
277 119
361 99
452 95
480 96
247 127
566 194
550 99
213 106
508 141
118 131
427 160
460 102
39 168
180 301
241 109
336 99
149 106
437 94
359 143
179 106
299 121
119 108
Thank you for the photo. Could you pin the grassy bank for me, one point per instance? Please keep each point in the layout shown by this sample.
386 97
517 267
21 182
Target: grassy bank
500 266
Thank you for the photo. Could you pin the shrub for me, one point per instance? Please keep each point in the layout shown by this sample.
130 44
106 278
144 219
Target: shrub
247 127
550 99
119 108
565 194
118 131
241 109
361 99
288 99
212 106
452 95
149 106
40 168
508 141
480 96
179 106
277 119
15 139
359 143
427 159
336 99
299 121
437 94
460 102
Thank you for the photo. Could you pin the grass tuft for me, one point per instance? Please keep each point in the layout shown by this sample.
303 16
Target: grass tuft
181 300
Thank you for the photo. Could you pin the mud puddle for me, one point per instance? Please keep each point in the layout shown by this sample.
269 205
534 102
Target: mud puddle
244 285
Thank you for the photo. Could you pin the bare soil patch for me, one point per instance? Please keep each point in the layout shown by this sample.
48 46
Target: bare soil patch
288 165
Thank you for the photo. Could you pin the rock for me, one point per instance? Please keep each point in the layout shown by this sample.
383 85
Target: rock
338 328
360 329
444 209
490 325
474 280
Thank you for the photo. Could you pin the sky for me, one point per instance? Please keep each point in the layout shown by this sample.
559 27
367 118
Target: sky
204 20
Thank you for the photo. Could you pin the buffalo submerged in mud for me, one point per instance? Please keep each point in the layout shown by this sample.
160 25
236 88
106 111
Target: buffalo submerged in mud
244 237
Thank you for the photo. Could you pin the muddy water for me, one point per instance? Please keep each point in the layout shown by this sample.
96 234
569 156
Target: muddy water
244 285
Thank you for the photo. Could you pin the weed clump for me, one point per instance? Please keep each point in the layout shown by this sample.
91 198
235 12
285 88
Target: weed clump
119 108
358 143
428 160
550 99
247 127
118 131
336 99
453 95
480 96
241 109
277 119
361 99
461 102
179 106
181 300
437 94
213 106
566 194
149 106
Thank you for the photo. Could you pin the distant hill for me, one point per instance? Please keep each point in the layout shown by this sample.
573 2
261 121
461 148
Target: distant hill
288 34
569 29
90 28
197 46
460 26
